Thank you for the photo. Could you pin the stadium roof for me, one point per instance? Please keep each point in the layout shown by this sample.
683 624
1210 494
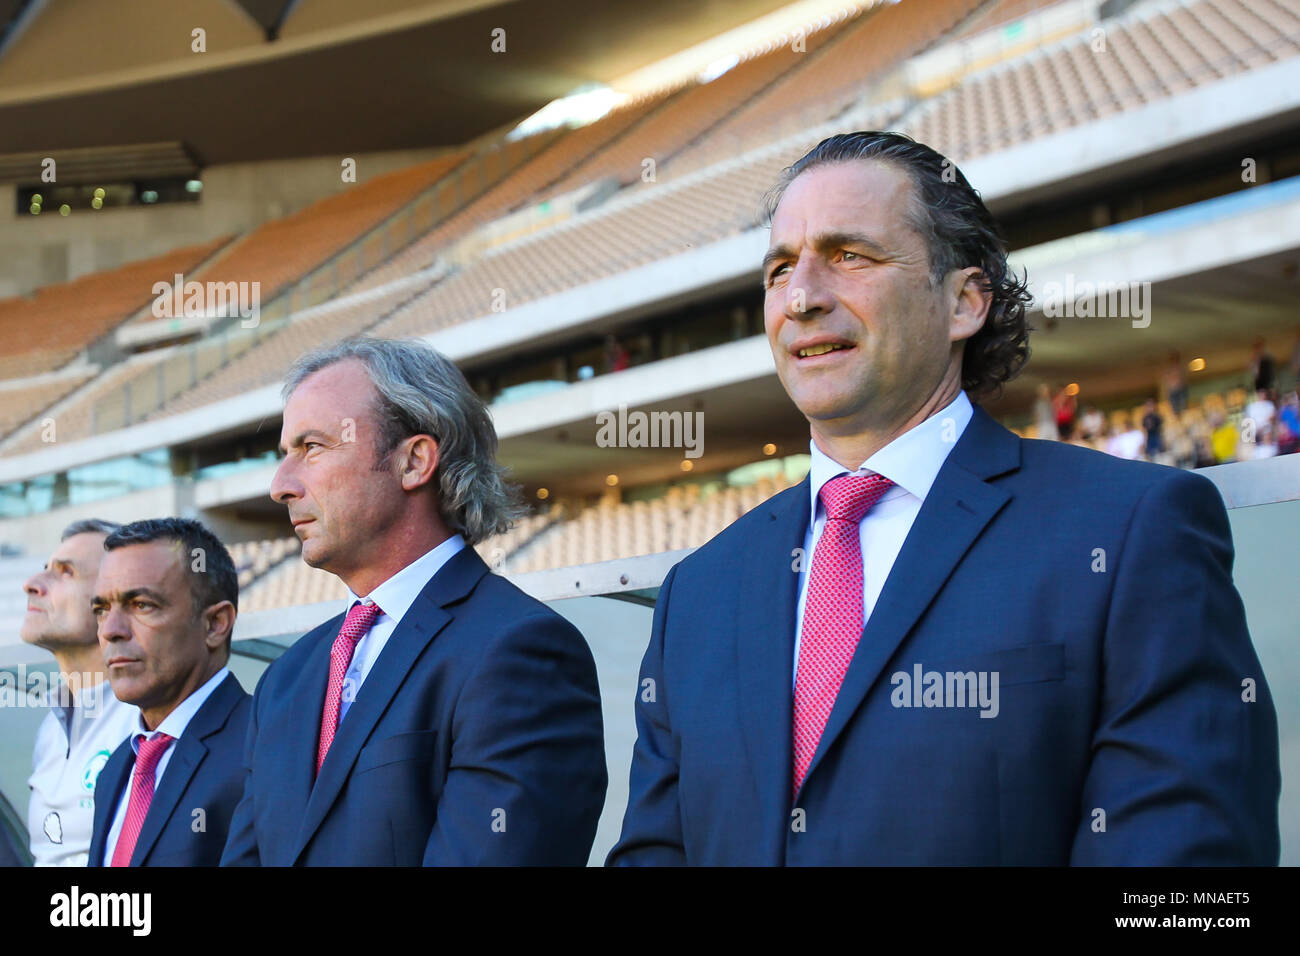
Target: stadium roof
327 76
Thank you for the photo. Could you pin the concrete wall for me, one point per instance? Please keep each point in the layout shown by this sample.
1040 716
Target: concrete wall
39 250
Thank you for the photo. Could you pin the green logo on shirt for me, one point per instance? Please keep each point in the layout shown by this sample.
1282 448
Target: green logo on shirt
91 773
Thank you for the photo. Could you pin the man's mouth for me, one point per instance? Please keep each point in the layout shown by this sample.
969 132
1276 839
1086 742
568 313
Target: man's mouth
121 661
815 350
821 349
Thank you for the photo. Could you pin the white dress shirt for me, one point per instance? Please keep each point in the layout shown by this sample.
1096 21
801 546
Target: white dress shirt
173 725
72 746
912 461
394 597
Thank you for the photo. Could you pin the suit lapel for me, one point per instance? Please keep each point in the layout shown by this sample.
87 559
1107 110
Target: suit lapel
417 629
184 763
765 653
109 786
296 759
955 512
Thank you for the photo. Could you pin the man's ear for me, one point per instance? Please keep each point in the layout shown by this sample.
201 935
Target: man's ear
971 303
418 462
219 622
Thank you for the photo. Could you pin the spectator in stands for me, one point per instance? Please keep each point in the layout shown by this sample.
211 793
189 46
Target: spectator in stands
1045 413
1295 361
165 601
1258 422
1262 366
1173 381
1224 439
1125 441
1091 424
1202 435
616 357
1065 406
1288 425
86 722
773 729
1182 448
456 716
1152 423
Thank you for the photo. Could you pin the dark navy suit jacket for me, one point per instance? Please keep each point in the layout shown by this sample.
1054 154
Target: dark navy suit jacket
204 773
1099 590
476 738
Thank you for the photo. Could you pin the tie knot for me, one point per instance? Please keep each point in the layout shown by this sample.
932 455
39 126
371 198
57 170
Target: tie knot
849 497
150 752
360 617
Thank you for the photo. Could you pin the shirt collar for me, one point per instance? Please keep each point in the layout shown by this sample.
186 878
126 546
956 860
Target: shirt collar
174 724
911 461
396 595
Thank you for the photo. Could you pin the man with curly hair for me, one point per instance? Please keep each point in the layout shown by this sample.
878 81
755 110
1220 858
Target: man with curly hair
947 645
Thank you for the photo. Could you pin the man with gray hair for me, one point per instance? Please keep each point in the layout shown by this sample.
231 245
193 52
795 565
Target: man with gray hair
447 718
86 723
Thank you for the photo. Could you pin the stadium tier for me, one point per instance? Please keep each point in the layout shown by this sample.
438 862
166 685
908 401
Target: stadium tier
285 250
521 220
824 83
1167 51
48 329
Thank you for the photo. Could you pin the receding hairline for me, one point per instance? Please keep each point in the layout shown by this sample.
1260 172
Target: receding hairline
374 406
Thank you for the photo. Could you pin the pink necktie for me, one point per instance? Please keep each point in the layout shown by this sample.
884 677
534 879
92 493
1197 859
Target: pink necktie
142 785
832 617
355 625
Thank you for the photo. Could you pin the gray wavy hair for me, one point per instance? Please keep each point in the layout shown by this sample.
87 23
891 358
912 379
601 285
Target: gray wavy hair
422 392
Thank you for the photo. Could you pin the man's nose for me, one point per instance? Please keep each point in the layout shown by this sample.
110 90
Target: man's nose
113 625
35 585
806 293
284 486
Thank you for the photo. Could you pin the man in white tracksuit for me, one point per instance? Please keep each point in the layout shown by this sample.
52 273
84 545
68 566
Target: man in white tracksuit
86 723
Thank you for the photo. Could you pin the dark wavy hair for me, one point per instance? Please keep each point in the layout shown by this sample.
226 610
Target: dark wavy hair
959 231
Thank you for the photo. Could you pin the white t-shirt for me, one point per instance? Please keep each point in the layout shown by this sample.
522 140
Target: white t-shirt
72 746
1127 444
1260 411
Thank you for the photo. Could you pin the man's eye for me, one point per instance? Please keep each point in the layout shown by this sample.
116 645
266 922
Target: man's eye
776 272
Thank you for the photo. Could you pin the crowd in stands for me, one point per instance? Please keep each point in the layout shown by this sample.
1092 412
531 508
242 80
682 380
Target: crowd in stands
1259 419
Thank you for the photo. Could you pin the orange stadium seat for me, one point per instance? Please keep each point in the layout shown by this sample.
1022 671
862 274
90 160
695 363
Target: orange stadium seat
49 328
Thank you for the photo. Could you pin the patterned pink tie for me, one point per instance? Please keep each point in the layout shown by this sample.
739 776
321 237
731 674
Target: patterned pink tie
142 786
832 617
355 625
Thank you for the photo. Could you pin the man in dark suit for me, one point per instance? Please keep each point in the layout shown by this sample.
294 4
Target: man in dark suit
447 717
165 602
948 645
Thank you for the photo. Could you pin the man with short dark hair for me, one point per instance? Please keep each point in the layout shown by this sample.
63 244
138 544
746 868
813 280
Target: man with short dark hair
948 645
165 602
86 722
447 718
